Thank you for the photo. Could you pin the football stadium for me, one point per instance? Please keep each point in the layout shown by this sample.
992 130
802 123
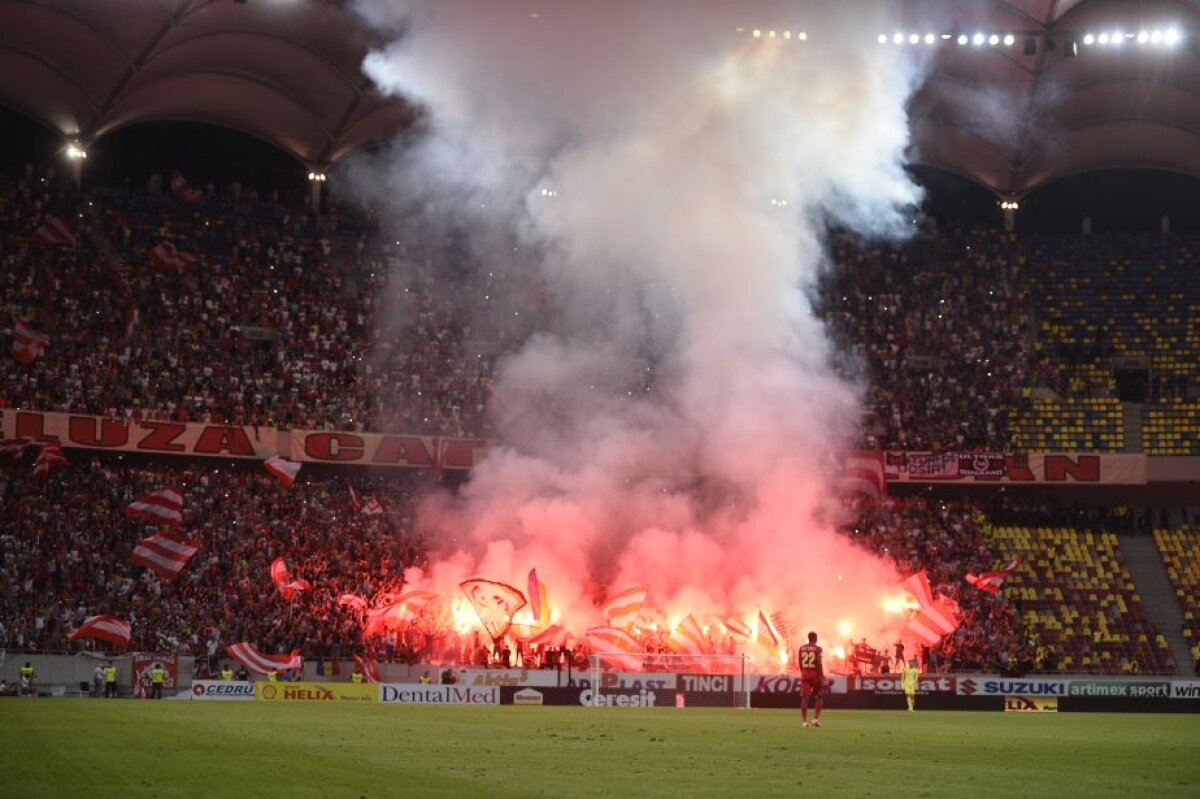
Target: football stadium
641 398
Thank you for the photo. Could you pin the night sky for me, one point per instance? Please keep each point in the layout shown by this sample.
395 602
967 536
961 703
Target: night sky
1117 200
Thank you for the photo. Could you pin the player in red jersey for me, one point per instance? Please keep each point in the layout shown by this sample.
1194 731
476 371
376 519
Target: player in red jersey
812 680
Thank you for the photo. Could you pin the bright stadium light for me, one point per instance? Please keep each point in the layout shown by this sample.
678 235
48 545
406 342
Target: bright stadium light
1102 38
898 38
787 34
1089 39
75 151
993 40
882 38
962 38
1143 37
978 39
1117 38
757 34
1171 37
914 38
802 36
1009 39
930 38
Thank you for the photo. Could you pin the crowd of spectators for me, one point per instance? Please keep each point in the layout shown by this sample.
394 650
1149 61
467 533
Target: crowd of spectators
65 548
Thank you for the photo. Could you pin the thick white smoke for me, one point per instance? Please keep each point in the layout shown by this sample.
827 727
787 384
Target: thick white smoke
677 423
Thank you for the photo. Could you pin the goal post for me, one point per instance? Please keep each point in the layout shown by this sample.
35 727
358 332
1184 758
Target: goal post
621 679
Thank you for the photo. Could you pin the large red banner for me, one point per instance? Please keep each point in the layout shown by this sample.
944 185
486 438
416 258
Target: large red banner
1064 468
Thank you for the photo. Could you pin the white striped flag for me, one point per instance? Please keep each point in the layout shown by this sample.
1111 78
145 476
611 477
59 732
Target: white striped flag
161 507
932 622
51 457
862 473
688 637
738 627
437 469
367 668
28 343
14 448
105 628
285 470
55 230
766 633
554 635
355 505
991 581
622 608
621 649
918 586
353 601
372 507
165 553
259 663
396 611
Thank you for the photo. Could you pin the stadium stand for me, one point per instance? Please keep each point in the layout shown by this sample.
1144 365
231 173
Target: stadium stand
1180 549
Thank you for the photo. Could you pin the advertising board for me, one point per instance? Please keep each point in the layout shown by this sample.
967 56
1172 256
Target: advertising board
222 691
331 692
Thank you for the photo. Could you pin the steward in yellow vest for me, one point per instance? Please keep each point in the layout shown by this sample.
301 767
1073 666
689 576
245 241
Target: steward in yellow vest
157 675
110 681
227 674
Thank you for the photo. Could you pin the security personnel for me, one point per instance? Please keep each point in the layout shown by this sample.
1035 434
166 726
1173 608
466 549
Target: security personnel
157 674
27 675
272 676
227 673
425 678
110 681
356 676
908 681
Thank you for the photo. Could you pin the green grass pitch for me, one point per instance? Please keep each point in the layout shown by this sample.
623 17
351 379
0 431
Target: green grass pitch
164 749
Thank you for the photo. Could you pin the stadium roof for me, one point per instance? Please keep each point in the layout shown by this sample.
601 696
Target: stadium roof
289 73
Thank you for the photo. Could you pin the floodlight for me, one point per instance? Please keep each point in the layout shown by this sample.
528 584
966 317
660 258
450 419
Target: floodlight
1171 37
914 38
1009 39
962 38
898 38
978 39
1089 39
993 40
930 38
882 38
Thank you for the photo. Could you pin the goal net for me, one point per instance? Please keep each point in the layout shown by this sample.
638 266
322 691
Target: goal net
621 679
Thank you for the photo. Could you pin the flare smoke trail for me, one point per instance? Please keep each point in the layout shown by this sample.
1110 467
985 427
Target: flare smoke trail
677 423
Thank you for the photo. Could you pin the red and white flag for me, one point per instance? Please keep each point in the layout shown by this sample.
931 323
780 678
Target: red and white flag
766 633
259 663
736 626
554 635
539 604
51 457
918 586
166 257
621 649
28 343
55 230
622 608
991 581
165 553
495 602
286 471
355 505
289 588
932 623
396 611
104 628
14 448
352 601
368 668
160 507
862 473
688 637
183 190
372 507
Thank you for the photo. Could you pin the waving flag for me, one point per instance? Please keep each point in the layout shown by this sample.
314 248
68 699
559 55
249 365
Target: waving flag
622 608
688 638
537 600
55 230
766 633
352 601
165 553
166 257
28 343
285 470
372 507
554 635
396 611
494 602
918 586
991 581
862 473
51 457
621 649
162 507
14 448
183 190
932 622
288 587
736 626
105 628
368 668
259 663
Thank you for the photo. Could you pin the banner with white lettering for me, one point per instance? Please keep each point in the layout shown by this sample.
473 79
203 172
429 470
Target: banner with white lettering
1060 468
